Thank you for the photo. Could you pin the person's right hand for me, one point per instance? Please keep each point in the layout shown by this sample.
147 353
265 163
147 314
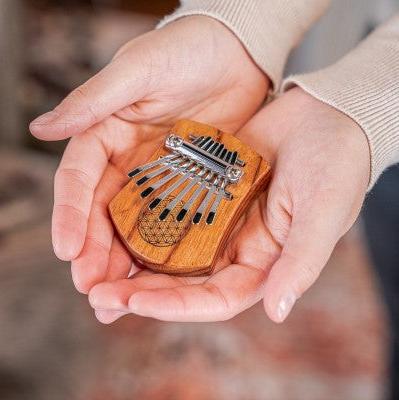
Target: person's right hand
193 68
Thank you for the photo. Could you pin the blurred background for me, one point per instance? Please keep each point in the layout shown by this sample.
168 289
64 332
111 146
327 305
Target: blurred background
335 345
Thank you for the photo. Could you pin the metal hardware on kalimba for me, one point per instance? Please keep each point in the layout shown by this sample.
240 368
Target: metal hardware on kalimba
202 162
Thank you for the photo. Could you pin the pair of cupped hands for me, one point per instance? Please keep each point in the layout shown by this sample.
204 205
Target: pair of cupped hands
196 68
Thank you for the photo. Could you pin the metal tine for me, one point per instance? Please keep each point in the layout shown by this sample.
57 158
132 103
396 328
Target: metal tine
228 156
204 141
165 179
213 148
197 140
208 145
223 154
159 171
172 187
212 211
189 203
173 203
151 164
219 149
233 158
204 204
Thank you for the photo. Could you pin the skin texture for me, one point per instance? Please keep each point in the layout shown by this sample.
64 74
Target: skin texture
321 171
194 68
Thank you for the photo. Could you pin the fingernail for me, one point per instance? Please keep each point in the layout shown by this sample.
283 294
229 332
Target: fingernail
46 118
108 317
285 306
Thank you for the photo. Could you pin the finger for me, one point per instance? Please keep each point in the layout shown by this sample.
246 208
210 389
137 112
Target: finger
310 242
219 298
90 267
119 84
75 181
108 317
228 292
120 262
231 290
114 296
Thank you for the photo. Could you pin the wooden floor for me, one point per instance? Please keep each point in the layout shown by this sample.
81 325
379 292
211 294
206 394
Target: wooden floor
52 348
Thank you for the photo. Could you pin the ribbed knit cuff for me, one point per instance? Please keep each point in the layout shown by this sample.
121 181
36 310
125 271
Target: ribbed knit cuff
365 86
268 29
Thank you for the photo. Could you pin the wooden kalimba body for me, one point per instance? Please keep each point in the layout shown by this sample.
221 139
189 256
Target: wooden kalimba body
178 210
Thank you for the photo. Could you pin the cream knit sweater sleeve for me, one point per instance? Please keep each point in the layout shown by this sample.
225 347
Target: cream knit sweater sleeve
365 85
268 29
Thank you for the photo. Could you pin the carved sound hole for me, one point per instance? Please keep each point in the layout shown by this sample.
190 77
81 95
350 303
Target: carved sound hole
162 233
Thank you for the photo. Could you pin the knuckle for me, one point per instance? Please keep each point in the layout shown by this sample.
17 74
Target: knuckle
278 222
73 176
80 100
217 292
181 299
79 95
99 244
227 310
307 275
304 273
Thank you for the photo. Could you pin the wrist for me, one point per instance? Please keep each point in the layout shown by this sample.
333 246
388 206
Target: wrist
349 137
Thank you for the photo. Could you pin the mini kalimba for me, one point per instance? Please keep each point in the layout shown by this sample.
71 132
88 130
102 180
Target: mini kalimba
178 210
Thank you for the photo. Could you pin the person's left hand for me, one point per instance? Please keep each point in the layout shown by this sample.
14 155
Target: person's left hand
193 68
321 170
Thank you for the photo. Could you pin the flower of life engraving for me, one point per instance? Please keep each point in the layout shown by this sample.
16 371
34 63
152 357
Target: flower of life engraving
162 233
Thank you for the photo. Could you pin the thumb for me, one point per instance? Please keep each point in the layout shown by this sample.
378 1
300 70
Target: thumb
120 83
308 247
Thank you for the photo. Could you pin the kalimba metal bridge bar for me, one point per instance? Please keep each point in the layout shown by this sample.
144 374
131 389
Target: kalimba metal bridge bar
202 162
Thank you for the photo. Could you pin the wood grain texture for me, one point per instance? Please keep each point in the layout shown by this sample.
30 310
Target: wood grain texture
197 251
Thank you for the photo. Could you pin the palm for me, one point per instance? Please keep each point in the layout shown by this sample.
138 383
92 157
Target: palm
240 271
274 240
105 153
